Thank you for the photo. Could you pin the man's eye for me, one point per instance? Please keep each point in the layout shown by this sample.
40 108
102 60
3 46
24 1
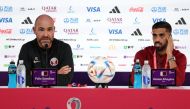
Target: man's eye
41 29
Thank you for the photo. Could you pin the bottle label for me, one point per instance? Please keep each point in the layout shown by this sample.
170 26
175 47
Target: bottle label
146 80
20 79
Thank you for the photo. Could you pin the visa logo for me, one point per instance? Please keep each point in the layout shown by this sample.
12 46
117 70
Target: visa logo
155 20
5 20
115 31
93 9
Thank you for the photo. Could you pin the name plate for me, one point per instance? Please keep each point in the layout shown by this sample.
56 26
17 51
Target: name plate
44 77
163 77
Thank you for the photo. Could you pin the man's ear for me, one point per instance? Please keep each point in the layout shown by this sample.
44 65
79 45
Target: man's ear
33 29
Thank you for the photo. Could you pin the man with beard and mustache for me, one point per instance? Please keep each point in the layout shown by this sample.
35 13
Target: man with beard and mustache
47 48
162 54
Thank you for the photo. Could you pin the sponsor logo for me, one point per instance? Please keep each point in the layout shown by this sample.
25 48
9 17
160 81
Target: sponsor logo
77 56
71 20
5 31
36 60
8 46
137 32
49 8
128 47
180 47
177 40
112 47
90 39
115 10
54 61
70 10
74 100
144 40
9 56
116 40
181 21
122 65
26 31
71 40
115 31
155 20
109 57
14 39
181 9
180 31
27 21
6 20
26 9
94 46
125 56
92 32
6 9
71 31
158 9
138 9
78 47
136 21
93 9
83 64
92 20
114 20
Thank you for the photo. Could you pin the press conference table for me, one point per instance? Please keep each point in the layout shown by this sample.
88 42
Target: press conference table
93 98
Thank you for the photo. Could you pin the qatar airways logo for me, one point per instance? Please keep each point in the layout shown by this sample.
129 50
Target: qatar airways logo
5 31
138 9
49 8
71 31
115 20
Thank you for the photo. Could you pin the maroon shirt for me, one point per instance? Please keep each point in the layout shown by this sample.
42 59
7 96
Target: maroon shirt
147 54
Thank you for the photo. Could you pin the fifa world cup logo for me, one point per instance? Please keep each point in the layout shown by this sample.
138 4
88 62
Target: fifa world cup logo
76 101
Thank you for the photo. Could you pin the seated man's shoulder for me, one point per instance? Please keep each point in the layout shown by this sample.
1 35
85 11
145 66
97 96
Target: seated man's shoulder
29 44
178 54
61 43
148 49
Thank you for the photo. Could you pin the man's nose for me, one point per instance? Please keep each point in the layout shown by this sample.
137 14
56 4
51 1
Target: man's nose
157 38
46 33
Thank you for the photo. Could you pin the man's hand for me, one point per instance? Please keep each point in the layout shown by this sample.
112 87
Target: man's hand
64 70
170 47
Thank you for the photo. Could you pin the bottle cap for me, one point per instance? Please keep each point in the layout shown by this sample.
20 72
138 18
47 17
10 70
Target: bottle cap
12 61
21 61
145 61
137 60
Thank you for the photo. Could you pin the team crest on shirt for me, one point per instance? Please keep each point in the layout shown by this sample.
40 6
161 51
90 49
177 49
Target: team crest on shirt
53 61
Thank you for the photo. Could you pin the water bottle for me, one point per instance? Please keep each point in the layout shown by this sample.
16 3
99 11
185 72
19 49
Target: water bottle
12 75
21 75
137 75
146 75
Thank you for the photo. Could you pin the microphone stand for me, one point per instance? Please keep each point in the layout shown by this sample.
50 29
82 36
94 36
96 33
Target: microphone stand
46 47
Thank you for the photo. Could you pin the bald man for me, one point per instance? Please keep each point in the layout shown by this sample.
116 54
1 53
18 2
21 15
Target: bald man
59 53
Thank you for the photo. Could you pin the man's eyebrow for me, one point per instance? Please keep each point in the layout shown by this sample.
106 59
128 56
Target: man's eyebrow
158 34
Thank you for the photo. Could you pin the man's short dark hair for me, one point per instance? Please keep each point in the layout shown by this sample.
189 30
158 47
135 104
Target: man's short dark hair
163 24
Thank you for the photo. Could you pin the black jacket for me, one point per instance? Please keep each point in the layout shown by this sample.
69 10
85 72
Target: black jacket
59 55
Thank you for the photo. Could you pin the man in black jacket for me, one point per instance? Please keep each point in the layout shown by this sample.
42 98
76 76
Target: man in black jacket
46 48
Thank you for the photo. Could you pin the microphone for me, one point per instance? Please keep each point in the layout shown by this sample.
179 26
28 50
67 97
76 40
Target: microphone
46 53
46 47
